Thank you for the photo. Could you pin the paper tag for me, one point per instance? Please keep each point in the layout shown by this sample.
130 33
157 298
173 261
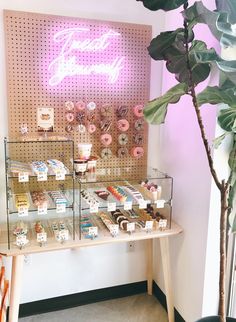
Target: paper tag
128 205
149 225
21 240
60 175
23 211
42 176
143 204
42 210
61 208
131 226
93 208
162 223
62 235
111 206
114 230
23 177
160 203
93 231
41 237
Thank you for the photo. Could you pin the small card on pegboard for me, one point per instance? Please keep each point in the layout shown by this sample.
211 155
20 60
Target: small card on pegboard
45 119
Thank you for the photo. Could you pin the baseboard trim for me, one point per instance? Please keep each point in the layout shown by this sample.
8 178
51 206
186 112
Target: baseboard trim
88 297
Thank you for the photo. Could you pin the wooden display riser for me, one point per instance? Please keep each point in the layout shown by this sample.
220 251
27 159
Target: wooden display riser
18 260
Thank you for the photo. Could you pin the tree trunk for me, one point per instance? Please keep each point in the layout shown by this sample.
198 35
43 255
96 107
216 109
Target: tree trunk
223 254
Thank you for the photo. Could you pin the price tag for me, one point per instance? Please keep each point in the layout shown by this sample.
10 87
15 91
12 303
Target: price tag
61 208
23 211
23 177
162 223
111 206
21 240
114 230
160 203
149 225
93 208
60 175
41 237
143 204
128 205
131 227
42 176
93 231
62 235
42 210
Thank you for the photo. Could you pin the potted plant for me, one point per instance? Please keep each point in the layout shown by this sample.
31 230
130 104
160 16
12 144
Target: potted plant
191 62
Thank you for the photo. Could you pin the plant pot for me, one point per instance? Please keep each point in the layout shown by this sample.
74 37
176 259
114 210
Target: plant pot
215 319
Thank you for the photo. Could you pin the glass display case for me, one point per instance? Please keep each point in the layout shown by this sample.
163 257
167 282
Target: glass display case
39 191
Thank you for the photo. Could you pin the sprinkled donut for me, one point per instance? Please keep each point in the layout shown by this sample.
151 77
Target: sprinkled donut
91 106
123 139
139 124
138 110
69 128
138 138
105 125
106 110
69 106
106 153
122 152
123 125
106 139
122 111
70 117
137 152
80 106
81 128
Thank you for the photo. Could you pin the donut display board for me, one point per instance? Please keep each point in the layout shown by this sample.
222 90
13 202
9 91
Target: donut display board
102 67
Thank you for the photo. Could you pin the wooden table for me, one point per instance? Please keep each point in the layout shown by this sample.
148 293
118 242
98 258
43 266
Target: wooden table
18 261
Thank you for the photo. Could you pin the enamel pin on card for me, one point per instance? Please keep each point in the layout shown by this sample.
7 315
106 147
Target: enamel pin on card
45 119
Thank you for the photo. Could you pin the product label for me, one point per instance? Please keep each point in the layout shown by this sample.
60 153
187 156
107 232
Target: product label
61 208
149 225
160 203
42 210
131 227
23 177
114 230
60 175
111 206
93 208
41 237
62 235
21 240
143 204
42 176
45 119
162 223
128 205
93 231
23 211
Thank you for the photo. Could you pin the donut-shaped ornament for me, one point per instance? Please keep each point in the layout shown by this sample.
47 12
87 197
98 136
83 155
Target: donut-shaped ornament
106 110
69 128
70 117
139 124
105 125
106 153
69 106
123 125
91 106
122 111
106 139
138 110
81 128
122 152
91 128
138 138
80 106
123 139
137 152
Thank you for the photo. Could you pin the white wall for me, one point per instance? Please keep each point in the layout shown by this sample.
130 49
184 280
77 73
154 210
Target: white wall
60 273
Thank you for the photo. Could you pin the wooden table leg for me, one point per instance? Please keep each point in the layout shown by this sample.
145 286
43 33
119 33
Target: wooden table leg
16 280
149 265
164 242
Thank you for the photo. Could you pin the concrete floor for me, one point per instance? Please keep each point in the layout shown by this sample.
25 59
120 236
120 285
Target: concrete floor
137 308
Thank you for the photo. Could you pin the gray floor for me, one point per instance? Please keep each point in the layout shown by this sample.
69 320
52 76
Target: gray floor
137 308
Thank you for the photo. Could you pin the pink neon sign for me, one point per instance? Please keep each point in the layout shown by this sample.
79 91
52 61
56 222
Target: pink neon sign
68 61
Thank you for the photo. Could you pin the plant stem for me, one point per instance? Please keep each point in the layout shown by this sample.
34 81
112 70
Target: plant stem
222 186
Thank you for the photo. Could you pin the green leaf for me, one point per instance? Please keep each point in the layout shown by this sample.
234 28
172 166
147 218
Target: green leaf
228 6
220 23
217 141
155 111
217 95
226 119
166 5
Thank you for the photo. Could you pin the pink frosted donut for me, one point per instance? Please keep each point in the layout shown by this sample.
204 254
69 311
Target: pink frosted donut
80 106
106 139
123 125
70 117
137 152
138 110
91 128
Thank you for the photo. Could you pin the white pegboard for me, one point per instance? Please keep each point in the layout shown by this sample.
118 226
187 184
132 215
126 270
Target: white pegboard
34 41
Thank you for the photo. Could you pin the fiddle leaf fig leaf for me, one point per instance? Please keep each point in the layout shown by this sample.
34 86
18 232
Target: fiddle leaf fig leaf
220 23
155 110
228 6
165 5
227 119
216 95
217 141
232 162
